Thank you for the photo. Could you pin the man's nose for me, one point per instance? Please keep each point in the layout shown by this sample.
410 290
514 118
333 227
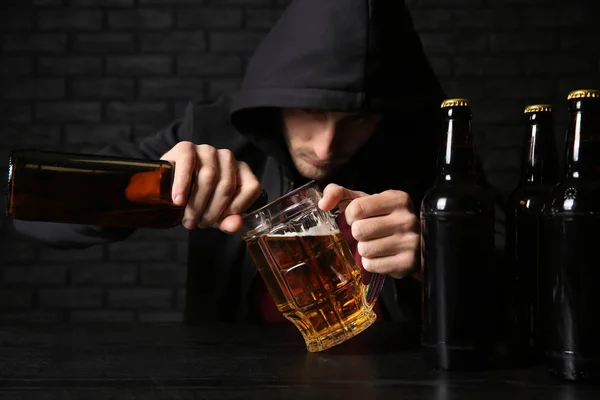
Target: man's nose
324 142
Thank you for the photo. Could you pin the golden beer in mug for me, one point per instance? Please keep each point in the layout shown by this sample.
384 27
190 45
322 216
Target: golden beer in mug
309 269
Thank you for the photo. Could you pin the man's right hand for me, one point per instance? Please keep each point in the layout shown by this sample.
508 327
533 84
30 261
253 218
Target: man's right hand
223 187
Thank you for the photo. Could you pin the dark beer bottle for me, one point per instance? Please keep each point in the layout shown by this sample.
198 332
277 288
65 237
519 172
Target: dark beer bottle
570 271
539 174
457 226
91 189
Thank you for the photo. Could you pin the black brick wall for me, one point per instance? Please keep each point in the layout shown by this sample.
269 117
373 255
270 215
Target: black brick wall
77 74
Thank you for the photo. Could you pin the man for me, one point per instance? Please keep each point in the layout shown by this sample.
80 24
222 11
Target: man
339 92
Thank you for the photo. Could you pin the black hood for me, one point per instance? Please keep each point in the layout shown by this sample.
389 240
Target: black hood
337 55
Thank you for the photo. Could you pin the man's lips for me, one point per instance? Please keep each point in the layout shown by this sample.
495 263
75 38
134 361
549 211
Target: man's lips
321 163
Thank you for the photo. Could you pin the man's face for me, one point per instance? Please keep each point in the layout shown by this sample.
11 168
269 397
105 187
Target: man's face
322 141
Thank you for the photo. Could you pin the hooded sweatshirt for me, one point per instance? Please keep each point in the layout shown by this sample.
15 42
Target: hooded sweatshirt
335 55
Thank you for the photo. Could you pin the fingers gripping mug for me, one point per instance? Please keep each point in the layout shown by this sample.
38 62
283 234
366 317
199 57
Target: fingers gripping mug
309 269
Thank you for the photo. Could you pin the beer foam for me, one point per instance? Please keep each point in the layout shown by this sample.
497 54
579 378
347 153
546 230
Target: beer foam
319 230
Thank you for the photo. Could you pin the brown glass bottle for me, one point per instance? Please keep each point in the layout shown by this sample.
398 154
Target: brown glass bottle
524 207
91 189
570 267
457 226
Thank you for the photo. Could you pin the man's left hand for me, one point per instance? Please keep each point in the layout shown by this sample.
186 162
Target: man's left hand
384 225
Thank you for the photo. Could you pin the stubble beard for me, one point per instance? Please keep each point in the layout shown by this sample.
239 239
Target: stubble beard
310 171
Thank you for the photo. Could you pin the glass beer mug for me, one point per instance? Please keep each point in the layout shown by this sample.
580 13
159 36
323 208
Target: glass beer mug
309 269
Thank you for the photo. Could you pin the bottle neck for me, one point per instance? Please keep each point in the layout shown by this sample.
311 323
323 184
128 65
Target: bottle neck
540 166
456 160
582 159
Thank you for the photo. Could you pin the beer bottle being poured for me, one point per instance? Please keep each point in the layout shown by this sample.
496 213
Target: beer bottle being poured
570 270
457 223
539 174
88 189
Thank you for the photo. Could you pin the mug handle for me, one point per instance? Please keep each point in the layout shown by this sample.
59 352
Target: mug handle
374 287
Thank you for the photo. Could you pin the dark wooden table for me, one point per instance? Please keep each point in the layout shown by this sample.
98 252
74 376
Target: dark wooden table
175 361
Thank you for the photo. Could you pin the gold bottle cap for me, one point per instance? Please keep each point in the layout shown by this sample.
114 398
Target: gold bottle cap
537 108
584 93
458 102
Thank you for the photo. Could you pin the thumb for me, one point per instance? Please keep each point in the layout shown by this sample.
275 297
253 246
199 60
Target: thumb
338 196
